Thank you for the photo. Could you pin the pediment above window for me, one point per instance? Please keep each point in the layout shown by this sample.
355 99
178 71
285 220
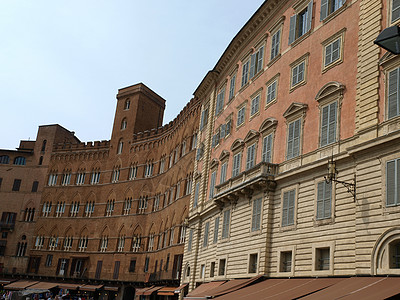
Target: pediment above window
331 89
268 124
224 154
388 60
251 135
237 144
214 163
295 109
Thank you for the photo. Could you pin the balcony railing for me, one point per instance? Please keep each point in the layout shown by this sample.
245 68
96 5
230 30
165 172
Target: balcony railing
260 177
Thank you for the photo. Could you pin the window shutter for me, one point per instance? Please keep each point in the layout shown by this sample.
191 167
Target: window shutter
228 127
324 125
320 200
98 269
392 182
212 184
324 9
245 73
216 227
328 200
309 15
292 29
252 65
196 194
296 138
267 148
291 207
289 153
260 59
393 97
285 206
222 132
332 122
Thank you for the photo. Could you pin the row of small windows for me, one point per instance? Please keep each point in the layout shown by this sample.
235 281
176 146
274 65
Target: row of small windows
19 160
138 243
159 201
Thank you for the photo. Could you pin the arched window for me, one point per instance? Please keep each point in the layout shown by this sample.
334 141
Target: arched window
19 160
40 160
123 124
120 146
4 159
44 145
127 104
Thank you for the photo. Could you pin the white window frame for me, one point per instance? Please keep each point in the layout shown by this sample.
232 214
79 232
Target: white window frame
298 26
328 7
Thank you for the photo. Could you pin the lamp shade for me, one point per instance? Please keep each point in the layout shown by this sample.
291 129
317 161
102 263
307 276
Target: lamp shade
389 39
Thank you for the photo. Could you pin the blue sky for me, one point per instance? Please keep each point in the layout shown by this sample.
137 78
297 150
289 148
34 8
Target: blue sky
63 61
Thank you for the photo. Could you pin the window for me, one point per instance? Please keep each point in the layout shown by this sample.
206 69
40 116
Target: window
328 124
121 243
95 177
132 172
49 260
204 118
216 229
332 52
394 252
46 210
330 6
83 243
183 148
200 152
60 208
206 233
196 194
293 141
142 205
256 216
225 224
29 214
123 124
115 175
127 104
146 264
171 236
103 243
232 87
202 271
120 146
324 200
275 44
288 208
255 105
80 177
300 23
298 74
212 183
188 188
98 269
128 206
251 156
220 101
74 208
68 243
19 160
393 182
148 169
253 261
16 185
267 148
40 160
286 261
1 180
66 178
212 269
222 267
237 159
182 235
271 91
52 179
53 243
136 243
222 178
4 159
253 65
39 242
132 265
194 141
393 101
89 208
322 259
241 116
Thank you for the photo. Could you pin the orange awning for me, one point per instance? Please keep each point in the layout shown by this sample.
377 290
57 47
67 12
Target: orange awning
68 286
43 285
181 287
230 286
20 284
167 291
111 288
152 290
201 291
139 292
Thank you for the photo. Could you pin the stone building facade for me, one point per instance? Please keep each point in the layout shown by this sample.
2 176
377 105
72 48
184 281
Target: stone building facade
301 84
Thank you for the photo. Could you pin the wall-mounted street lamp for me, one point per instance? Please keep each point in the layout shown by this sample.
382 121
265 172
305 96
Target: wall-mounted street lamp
389 39
331 177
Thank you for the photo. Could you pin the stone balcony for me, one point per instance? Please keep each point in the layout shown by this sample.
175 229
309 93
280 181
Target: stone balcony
260 177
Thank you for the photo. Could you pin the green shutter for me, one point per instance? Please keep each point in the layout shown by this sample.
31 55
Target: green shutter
292 29
324 9
393 97
332 122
